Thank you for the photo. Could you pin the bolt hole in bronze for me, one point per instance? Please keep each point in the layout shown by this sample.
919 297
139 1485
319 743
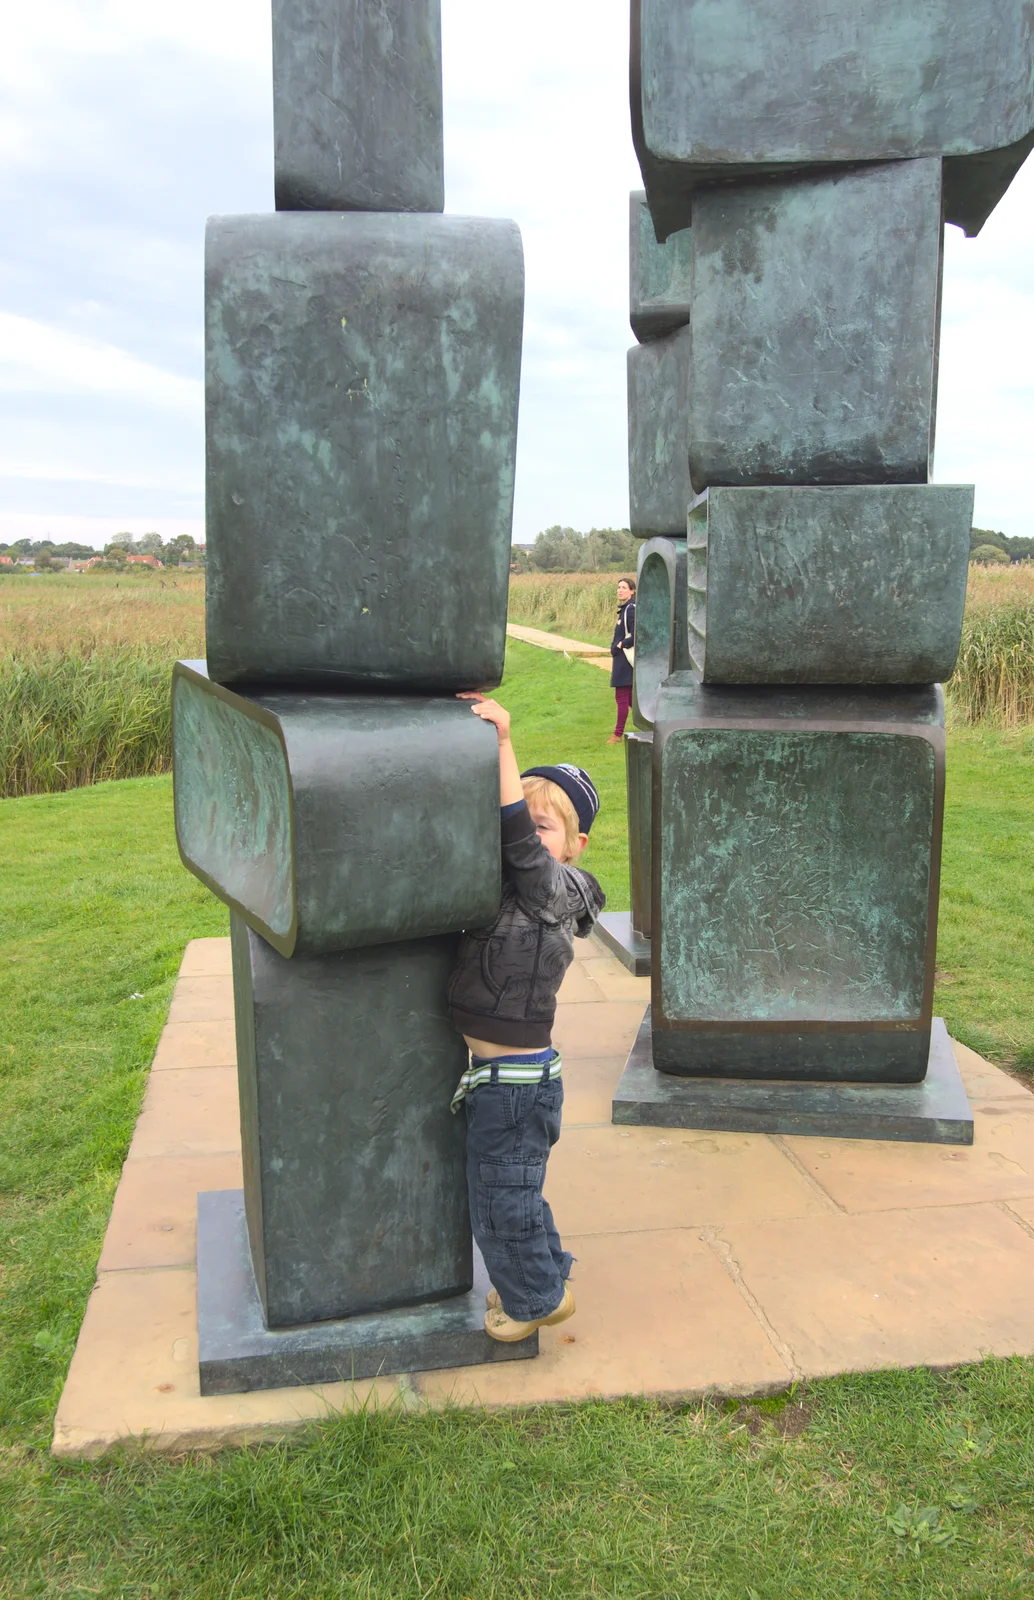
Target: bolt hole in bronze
801 585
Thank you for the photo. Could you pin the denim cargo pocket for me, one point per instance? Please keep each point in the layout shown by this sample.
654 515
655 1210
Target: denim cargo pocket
510 1198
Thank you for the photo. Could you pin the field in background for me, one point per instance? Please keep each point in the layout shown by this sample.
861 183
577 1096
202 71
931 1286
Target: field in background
84 662
993 682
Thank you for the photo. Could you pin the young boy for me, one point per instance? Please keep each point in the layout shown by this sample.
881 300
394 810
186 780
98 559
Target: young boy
502 998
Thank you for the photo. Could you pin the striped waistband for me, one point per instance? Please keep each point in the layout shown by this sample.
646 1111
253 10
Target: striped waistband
540 1068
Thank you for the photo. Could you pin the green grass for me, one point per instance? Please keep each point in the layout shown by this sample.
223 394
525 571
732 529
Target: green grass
630 1500
771 1502
985 944
96 909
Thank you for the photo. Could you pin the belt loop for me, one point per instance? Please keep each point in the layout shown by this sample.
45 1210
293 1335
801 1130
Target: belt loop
547 1067
495 1075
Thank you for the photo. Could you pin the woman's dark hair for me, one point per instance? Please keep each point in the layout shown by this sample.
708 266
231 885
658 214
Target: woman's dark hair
630 582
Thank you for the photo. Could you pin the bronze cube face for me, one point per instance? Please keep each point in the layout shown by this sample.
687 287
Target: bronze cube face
796 845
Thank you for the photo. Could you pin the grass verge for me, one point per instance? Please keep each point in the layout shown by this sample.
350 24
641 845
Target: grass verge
896 1485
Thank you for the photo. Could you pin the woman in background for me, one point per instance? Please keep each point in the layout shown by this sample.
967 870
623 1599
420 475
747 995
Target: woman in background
622 649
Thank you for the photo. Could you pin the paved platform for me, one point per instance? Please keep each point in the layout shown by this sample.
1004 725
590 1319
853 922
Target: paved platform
726 1262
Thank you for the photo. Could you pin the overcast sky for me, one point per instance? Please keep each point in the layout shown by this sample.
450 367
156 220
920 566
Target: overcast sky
122 126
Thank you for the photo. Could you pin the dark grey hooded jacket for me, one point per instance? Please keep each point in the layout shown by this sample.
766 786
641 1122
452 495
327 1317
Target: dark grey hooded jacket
505 984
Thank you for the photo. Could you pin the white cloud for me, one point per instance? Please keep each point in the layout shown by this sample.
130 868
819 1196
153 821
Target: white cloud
35 357
124 124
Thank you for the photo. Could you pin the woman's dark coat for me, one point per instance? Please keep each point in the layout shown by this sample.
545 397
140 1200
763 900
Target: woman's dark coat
624 637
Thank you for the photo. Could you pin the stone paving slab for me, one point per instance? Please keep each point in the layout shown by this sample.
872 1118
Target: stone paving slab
196 1044
706 1261
866 1175
891 1289
154 1218
188 1111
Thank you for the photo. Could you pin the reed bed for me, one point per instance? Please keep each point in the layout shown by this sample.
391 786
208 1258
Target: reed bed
582 605
84 676
68 719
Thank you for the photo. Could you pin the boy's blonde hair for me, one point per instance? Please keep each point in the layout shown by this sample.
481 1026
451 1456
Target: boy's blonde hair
539 791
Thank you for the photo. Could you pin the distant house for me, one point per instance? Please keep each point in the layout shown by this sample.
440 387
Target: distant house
143 561
6 561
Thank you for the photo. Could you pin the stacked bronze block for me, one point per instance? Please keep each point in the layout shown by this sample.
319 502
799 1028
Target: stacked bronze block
799 171
362 371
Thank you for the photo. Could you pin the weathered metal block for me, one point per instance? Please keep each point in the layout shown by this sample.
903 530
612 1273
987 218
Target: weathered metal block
816 311
659 275
659 489
362 379
721 92
795 874
357 105
852 585
639 779
328 822
661 644
237 1352
354 1166
933 1111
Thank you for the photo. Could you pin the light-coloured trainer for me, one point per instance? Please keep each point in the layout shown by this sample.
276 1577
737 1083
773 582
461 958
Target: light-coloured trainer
508 1330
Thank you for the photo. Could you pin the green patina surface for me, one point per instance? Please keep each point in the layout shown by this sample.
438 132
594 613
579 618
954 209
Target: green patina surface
233 803
854 585
333 821
721 88
361 389
639 773
659 489
815 326
654 631
660 275
795 874
357 105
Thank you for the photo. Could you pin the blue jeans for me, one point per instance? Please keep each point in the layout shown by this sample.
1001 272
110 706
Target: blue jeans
511 1129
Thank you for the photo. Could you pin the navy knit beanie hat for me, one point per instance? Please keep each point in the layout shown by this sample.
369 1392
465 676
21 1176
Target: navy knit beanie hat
578 787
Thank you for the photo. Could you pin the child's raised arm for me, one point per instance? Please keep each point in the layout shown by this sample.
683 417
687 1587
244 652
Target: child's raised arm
510 788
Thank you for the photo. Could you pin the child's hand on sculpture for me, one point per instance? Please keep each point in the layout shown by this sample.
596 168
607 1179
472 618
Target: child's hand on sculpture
491 711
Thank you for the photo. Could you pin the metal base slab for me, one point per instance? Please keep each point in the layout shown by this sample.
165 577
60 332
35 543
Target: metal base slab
936 1111
237 1352
614 929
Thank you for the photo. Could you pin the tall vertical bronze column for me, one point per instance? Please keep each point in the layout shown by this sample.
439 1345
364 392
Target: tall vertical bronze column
362 372
787 304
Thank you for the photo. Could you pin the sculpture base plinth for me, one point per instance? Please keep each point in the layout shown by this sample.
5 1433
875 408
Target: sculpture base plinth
614 929
935 1111
237 1352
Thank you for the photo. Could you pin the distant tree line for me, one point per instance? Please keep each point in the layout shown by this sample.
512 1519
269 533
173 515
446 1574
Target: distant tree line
614 550
566 550
45 554
986 547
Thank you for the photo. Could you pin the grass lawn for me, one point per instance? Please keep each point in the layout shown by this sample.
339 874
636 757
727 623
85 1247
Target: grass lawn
817 1496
